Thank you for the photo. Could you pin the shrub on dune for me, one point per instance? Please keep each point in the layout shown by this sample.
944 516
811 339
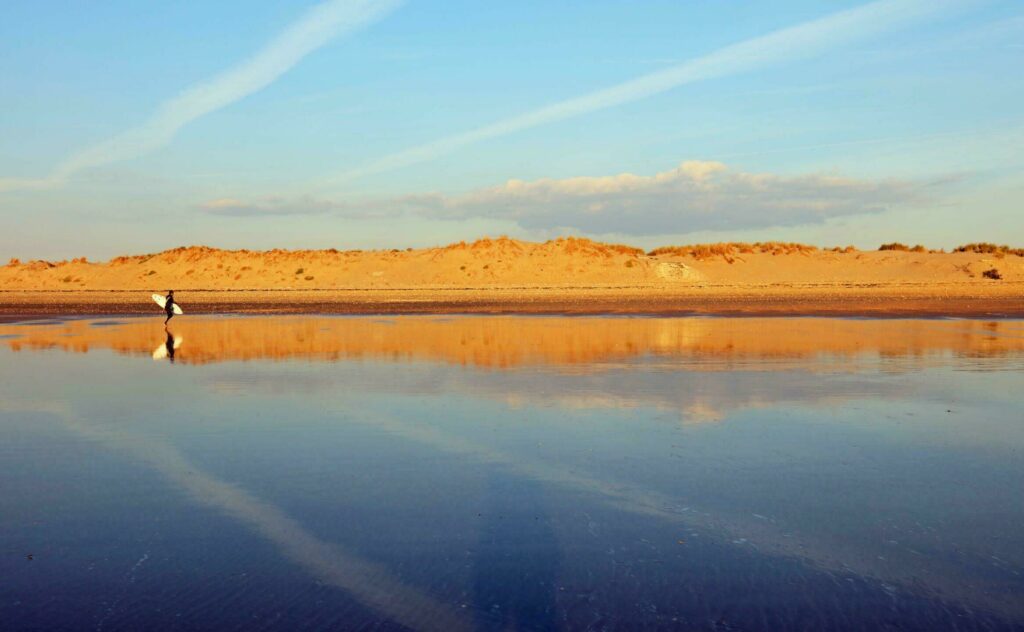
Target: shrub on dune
985 248
729 250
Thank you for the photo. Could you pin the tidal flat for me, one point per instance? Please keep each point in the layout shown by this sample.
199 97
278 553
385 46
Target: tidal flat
511 472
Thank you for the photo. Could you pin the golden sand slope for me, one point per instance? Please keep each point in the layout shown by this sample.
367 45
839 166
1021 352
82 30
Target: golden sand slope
568 274
485 263
503 262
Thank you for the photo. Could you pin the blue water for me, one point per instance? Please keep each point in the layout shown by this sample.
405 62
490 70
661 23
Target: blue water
716 482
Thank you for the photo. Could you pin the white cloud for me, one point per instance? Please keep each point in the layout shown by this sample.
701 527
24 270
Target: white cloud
315 28
696 195
800 41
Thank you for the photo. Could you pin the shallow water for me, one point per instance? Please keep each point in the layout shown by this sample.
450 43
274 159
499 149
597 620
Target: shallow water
502 472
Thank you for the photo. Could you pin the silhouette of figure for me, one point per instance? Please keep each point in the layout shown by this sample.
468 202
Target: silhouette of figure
168 347
169 306
169 344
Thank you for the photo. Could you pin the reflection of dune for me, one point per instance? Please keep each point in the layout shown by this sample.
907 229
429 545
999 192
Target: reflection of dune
367 582
503 342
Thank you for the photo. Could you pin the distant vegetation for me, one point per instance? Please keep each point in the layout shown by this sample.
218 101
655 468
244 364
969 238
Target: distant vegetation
730 250
567 245
983 248
990 249
903 247
992 274
572 245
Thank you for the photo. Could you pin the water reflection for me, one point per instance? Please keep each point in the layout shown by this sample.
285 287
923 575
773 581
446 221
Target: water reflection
515 570
368 582
508 342
541 473
170 345
902 566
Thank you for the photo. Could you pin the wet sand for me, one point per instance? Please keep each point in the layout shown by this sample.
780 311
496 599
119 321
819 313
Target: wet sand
875 300
864 467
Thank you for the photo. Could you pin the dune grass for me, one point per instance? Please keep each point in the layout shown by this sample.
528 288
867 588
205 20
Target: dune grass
731 250
986 248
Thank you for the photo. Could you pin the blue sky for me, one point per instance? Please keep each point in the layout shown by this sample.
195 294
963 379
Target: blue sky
379 123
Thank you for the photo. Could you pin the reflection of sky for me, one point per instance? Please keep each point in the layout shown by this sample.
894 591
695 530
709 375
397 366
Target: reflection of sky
907 477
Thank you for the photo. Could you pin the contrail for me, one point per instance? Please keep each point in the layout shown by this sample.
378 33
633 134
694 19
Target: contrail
800 41
318 26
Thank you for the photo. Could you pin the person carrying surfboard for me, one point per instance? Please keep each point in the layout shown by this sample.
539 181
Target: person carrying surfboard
169 306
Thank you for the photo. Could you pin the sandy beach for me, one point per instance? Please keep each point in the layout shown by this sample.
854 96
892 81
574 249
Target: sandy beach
563 276
881 301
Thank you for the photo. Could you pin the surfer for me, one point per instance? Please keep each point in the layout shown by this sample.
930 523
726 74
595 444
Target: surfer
169 306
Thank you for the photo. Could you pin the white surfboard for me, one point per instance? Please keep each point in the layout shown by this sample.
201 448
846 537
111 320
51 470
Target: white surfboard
161 300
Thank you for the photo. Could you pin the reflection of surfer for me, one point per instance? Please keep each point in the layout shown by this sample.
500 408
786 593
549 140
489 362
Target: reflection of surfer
169 308
169 344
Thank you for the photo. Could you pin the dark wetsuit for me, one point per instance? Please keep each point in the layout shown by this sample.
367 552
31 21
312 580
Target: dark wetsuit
169 307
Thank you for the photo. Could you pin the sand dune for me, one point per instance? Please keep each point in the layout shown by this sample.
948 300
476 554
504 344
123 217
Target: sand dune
504 262
484 263
553 271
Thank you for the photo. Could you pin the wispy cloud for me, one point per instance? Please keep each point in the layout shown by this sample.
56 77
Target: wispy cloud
305 205
232 207
314 29
696 195
800 41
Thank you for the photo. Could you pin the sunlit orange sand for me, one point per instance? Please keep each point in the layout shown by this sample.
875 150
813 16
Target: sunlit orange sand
507 275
